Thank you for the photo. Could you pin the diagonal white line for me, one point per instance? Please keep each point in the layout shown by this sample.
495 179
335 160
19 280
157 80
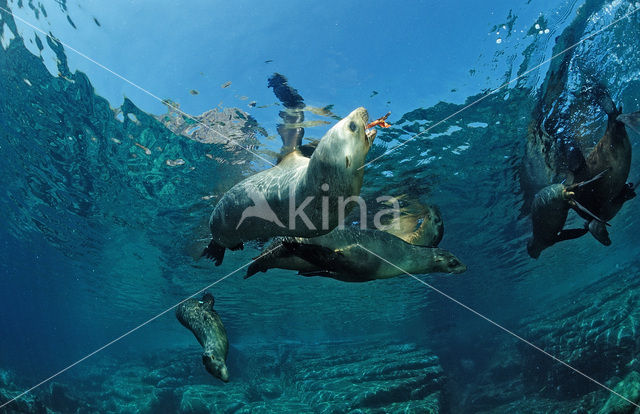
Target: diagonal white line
100 65
500 326
502 86
132 330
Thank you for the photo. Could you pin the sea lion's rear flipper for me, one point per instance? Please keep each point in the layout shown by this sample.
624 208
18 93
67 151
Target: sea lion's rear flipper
580 207
631 120
215 252
587 182
599 231
570 234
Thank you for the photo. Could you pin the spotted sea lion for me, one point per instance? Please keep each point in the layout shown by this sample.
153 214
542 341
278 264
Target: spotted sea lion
354 255
302 193
199 317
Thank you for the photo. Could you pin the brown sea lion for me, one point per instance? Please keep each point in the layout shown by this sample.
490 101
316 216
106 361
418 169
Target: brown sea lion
613 155
340 254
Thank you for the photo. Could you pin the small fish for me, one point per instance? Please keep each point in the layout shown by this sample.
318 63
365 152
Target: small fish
252 104
268 61
373 93
226 84
193 92
145 149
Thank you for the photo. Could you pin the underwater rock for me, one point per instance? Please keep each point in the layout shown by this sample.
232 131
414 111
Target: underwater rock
341 377
630 388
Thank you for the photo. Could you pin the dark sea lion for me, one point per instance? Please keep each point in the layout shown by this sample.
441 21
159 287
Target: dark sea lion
549 213
339 255
613 155
199 317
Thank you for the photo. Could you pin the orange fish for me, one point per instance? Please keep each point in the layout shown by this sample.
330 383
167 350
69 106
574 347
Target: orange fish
381 122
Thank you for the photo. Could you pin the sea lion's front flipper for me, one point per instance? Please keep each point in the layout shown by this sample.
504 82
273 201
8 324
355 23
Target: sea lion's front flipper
631 120
323 257
343 277
570 234
321 273
578 206
599 231
215 252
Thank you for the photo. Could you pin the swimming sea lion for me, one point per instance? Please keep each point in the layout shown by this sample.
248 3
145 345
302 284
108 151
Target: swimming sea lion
301 193
199 317
424 227
338 255
613 154
549 213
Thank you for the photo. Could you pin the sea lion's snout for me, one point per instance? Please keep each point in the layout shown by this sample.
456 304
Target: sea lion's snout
360 114
448 263
224 374
215 367
457 267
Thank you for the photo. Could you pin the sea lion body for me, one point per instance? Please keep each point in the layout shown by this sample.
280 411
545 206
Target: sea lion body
355 255
613 155
299 197
549 213
199 317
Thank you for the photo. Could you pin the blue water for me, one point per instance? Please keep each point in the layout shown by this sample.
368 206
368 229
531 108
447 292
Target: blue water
98 234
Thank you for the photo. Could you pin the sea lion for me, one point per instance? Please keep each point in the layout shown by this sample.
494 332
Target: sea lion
549 213
199 317
298 197
339 255
421 226
613 154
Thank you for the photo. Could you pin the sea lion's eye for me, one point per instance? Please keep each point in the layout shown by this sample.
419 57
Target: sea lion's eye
353 126
454 263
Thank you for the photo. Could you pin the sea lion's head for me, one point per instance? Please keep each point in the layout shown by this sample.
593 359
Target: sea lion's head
447 262
215 366
347 143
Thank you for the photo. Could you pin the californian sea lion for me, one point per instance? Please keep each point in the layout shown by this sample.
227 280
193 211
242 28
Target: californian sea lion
199 317
339 255
300 196
422 227
613 155
549 213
